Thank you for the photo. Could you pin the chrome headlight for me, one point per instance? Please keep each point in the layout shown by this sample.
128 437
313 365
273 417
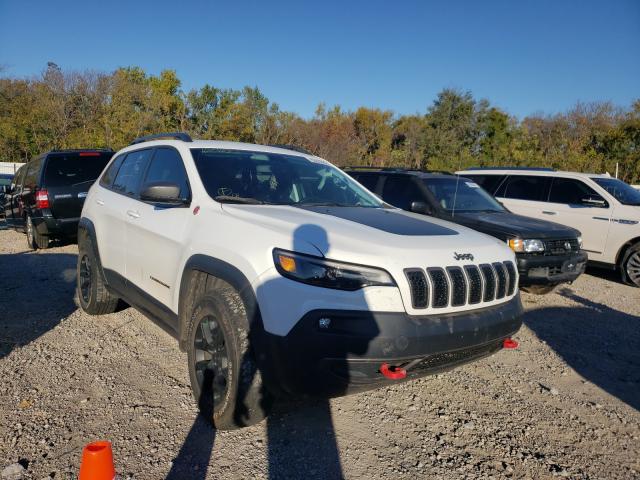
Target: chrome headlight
579 241
328 273
520 245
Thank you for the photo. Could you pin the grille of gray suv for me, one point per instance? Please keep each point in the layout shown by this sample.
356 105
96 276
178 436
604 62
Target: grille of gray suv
455 286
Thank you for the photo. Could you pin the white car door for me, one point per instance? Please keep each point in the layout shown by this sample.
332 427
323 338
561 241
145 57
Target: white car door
574 203
156 232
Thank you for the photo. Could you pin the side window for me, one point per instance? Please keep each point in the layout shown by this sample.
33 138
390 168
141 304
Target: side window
16 184
167 166
400 191
368 180
489 182
523 187
129 175
569 191
110 173
31 177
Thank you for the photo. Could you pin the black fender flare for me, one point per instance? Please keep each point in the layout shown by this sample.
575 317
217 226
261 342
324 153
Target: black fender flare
85 225
224 271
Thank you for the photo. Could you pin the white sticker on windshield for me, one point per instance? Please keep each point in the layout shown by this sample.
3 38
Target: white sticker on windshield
472 185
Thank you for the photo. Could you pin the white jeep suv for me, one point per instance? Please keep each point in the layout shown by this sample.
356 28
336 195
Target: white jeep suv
604 209
279 274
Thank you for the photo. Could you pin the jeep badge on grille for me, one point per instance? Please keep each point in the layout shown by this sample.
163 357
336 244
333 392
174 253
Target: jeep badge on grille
462 256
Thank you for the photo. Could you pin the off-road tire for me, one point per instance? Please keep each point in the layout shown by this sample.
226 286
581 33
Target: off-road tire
218 307
630 266
538 289
35 240
94 297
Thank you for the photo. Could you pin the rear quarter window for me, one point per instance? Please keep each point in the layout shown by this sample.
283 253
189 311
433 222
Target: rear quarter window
74 169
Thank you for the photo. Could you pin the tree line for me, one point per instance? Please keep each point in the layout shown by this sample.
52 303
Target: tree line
96 109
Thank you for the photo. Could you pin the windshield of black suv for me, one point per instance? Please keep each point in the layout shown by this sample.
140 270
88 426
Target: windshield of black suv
461 195
237 176
623 192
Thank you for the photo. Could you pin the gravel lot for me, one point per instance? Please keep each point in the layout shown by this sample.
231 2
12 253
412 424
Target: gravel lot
565 404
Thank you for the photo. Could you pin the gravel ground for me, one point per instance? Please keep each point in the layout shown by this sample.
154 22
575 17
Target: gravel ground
564 404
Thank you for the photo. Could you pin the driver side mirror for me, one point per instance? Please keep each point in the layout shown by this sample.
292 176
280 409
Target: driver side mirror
421 207
162 192
594 201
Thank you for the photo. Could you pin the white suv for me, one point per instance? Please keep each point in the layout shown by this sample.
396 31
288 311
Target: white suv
279 274
606 210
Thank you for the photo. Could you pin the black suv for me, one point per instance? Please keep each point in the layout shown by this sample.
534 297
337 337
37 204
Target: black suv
46 197
547 253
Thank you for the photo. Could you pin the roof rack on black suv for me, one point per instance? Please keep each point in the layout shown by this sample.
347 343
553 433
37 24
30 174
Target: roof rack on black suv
547 253
163 136
535 169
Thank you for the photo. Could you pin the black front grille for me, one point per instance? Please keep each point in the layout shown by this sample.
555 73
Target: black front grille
560 247
511 272
489 282
440 287
457 286
501 275
475 283
419 288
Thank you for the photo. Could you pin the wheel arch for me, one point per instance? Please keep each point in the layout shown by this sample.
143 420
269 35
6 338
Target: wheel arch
623 250
86 227
224 271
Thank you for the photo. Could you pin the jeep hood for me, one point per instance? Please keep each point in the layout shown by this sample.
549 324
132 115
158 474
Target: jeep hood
357 234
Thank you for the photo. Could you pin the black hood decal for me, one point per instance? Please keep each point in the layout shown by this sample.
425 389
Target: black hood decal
387 220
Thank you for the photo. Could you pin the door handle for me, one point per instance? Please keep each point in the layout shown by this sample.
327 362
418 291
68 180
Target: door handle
547 212
99 202
133 214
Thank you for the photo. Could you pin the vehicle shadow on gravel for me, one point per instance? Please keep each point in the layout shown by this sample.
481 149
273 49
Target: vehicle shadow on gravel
599 343
606 274
37 292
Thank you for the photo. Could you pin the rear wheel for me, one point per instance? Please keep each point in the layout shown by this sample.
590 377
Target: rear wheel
93 295
35 240
224 376
538 289
630 266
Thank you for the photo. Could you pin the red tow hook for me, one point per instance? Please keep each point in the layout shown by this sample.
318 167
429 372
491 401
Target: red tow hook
510 343
393 373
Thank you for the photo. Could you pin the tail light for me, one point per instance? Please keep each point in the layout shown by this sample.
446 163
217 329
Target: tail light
42 199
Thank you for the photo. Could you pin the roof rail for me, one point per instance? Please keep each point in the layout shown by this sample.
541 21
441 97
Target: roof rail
535 169
158 136
394 169
295 148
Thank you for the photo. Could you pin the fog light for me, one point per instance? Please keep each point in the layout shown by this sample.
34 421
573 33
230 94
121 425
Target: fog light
324 323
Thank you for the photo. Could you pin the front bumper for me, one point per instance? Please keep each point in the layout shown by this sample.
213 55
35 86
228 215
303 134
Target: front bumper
345 356
550 269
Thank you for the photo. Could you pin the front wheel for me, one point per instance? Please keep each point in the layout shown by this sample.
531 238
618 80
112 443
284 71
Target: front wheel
224 376
630 266
93 295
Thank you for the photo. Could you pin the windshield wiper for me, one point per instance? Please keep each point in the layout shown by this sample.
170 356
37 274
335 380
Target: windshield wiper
232 199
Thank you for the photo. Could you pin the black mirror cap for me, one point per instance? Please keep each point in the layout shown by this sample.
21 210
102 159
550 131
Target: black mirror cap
162 192
421 207
594 201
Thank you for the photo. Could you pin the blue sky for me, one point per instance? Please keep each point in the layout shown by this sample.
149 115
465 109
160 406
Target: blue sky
524 56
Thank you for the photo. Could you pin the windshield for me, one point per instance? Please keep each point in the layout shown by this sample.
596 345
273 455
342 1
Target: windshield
237 176
461 195
623 192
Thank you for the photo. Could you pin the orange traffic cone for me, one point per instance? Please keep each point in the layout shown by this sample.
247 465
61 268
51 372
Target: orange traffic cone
97 462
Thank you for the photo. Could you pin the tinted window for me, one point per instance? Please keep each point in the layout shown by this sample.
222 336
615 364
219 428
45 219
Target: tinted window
111 171
273 178
368 180
461 195
523 187
31 177
167 166
130 174
400 191
489 182
569 191
18 179
72 169
623 192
